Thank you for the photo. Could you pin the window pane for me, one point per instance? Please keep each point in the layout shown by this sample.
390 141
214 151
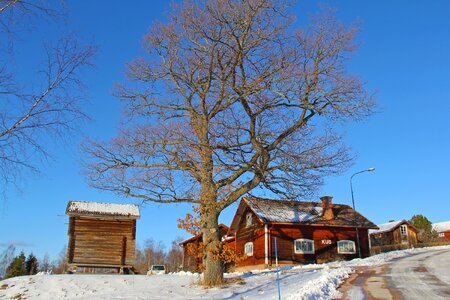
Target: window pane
403 230
346 247
309 247
248 221
248 249
304 246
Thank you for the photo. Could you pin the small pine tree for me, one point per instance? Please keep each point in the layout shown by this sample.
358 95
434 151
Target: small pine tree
31 265
17 266
421 223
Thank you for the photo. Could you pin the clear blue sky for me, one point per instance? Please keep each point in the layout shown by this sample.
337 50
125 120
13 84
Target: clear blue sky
404 56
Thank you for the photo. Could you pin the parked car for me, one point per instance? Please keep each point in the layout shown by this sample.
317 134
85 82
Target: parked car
156 270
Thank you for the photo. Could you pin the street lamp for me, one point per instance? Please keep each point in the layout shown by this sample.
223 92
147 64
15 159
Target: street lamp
354 209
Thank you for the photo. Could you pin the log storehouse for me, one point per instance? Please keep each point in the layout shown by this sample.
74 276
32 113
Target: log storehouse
101 237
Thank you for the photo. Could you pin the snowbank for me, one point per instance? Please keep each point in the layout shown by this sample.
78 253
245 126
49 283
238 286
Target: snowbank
299 282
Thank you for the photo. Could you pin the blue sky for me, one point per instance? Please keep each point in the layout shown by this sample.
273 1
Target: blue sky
404 56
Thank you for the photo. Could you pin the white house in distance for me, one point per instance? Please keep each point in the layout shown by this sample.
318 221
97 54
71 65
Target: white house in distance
443 230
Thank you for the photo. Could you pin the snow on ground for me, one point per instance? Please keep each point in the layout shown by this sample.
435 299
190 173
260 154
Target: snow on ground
299 282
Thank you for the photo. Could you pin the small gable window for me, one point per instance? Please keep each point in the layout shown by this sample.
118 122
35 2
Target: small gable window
248 249
346 247
403 230
441 234
304 246
248 220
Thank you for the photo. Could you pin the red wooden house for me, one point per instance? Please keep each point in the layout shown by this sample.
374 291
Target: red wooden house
306 232
192 262
399 233
443 230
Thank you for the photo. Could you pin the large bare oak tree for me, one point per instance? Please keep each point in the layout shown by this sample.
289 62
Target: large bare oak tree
231 97
47 107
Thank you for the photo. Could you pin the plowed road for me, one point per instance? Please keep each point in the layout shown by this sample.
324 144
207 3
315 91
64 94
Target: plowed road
421 276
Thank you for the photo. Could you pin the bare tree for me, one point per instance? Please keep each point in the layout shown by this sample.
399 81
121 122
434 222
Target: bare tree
6 257
231 97
154 253
45 264
174 256
60 265
20 15
47 107
151 254
140 263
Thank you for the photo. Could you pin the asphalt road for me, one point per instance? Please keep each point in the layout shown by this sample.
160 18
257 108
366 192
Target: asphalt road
424 276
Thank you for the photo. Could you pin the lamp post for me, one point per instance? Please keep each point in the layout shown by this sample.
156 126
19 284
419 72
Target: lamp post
354 209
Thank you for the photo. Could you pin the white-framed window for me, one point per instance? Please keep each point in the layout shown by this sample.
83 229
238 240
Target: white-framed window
441 234
346 247
248 249
248 220
403 230
304 246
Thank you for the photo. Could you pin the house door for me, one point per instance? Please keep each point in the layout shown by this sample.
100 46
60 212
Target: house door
404 234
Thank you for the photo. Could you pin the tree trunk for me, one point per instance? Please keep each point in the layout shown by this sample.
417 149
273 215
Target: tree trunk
213 267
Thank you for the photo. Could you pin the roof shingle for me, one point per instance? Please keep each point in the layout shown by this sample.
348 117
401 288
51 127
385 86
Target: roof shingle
308 213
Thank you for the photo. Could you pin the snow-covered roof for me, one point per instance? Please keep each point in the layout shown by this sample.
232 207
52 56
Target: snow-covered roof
441 226
386 226
297 212
285 211
102 209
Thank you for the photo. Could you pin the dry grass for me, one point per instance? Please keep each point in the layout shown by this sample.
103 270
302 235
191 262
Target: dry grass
17 297
234 280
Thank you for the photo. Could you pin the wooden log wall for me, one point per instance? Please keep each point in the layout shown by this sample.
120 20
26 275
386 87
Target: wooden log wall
325 243
394 238
253 233
412 235
101 241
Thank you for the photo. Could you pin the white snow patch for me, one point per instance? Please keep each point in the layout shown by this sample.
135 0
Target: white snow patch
318 281
282 213
386 227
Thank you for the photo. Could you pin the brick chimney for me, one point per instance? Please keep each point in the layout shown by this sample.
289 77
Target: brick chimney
326 206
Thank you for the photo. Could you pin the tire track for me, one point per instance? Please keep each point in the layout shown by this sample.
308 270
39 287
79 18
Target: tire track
420 276
412 278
